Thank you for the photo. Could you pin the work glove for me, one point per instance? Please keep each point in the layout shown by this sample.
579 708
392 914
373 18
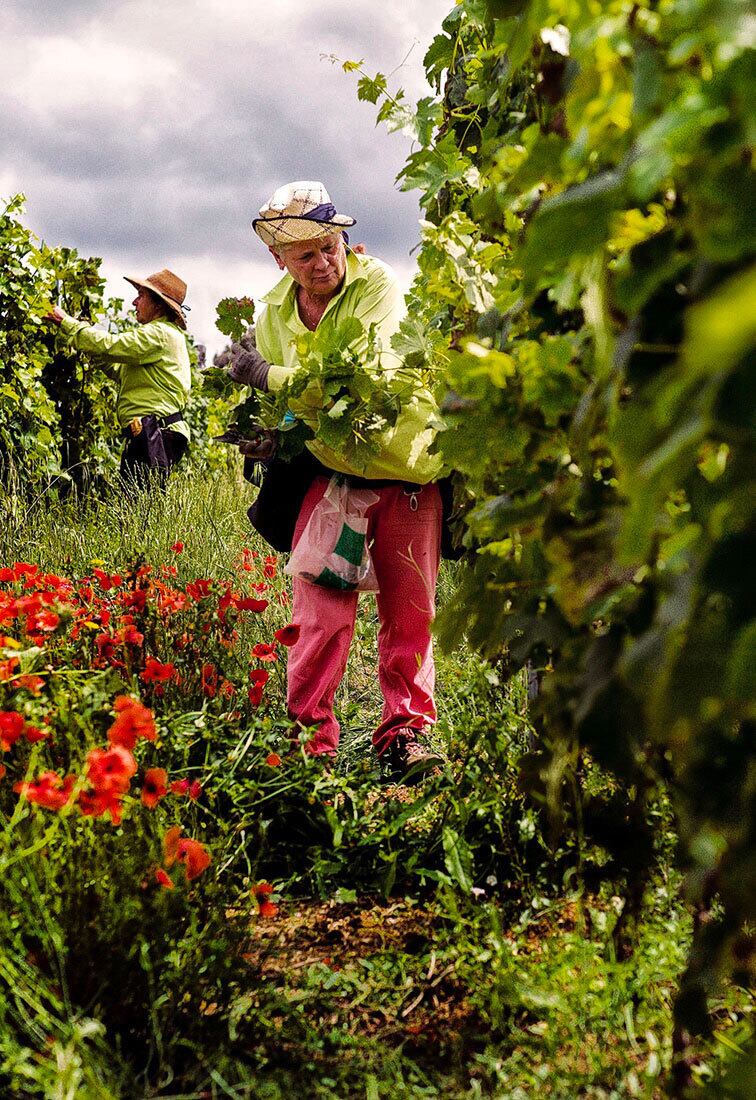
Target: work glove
262 447
245 366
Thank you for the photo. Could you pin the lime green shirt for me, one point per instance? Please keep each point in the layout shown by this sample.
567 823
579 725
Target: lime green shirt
370 293
155 373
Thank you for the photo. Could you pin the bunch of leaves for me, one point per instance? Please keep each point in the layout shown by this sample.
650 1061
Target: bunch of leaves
57 417
599 155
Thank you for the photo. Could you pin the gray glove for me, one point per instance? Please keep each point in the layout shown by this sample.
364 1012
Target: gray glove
248 367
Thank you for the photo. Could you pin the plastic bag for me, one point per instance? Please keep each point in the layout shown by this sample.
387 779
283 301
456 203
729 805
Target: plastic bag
332 551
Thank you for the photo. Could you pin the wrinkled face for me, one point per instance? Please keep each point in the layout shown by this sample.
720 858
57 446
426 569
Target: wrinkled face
317 266
147 306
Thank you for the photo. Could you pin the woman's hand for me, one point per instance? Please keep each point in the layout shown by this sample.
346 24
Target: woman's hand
55 315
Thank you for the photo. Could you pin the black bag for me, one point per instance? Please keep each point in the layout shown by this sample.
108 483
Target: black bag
284 486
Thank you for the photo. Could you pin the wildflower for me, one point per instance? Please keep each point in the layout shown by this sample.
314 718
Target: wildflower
194 856
50 790
132 636
164 878
259 676
11 728
110 769
273 760
261 895
249 603
43 621
133 720
95 803
199 588
158 672
8 668
7 576
264 651
288 635
31 683
195 790
191 853
34 734
255 694
177 547
209 680
180 787
154 786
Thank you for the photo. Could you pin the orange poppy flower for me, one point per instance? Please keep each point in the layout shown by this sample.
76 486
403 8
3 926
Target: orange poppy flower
154 786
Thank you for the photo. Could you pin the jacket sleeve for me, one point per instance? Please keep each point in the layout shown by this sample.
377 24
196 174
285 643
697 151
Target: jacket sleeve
134 347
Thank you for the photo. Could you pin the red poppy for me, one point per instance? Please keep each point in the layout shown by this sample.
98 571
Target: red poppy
273 760
132 636
199 588
195 790
164 878
264 651
209 681
177 547
31 683
11 728
45 621
133 720
110 769
154 786
269 570
255 695
8 668
288 635
34 734
158 672
23 569
259 676
180 786
95 803
7 575
194 856
191 853
261 894
249 603
49 790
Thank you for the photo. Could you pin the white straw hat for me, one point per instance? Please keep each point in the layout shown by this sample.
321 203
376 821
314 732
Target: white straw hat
299 211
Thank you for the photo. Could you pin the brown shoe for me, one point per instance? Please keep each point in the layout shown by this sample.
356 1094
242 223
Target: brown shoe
411 757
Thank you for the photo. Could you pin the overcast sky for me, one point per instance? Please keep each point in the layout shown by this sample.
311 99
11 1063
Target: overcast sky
149 133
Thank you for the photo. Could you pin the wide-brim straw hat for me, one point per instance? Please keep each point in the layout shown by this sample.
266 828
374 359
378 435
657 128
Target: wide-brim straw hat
166 286
299 211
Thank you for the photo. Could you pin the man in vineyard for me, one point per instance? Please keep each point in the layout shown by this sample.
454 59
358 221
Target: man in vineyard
155 374
306 237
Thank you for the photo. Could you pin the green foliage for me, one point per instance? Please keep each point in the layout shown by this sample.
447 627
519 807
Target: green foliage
234 316
587 259
57 415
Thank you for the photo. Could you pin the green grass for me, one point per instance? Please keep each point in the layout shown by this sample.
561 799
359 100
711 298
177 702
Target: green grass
384 974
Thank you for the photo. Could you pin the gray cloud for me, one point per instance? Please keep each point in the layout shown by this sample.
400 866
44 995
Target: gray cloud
148 132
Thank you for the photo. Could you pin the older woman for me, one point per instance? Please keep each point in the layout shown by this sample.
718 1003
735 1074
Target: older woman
154 377
305 236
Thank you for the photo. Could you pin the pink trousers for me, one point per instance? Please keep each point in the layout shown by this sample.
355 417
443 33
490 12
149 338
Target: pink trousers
405 530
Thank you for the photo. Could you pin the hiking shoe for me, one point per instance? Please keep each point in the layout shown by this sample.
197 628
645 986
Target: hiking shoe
411 757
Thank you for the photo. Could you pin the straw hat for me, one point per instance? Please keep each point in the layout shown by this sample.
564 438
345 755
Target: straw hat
168 287
299 211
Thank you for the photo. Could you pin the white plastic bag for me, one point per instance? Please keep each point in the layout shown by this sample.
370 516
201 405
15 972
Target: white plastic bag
332 551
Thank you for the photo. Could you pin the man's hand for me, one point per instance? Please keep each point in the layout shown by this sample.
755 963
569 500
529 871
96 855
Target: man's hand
55 315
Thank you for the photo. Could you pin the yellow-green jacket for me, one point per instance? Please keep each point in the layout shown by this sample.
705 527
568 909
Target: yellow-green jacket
370 293
155 373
